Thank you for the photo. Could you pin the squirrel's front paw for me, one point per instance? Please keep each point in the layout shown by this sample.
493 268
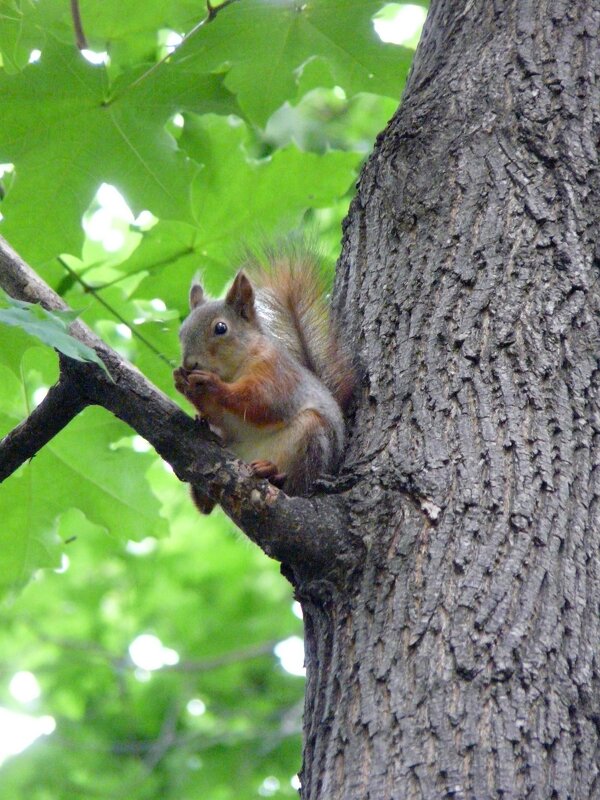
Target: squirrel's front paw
201 381
181 380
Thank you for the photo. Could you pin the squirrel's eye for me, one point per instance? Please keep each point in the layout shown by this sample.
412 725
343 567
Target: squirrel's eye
220 328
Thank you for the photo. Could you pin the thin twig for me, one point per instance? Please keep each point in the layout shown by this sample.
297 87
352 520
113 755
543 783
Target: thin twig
211 14
166 739
198 740
233 657
93 650
152 268
214 10
94 292
78 26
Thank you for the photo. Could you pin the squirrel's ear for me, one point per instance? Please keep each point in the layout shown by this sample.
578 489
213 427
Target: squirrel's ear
241 296
196 295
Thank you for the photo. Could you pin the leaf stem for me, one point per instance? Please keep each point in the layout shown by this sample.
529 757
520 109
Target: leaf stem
91 290
164 262
78 26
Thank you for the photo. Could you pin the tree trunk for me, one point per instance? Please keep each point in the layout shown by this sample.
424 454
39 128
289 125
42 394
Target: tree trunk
461 659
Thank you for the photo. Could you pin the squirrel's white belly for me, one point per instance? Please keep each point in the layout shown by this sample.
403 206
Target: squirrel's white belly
254 443
285 443
273 447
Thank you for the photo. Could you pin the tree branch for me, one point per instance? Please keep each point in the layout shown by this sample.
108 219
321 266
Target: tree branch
224 660
62 403
308 535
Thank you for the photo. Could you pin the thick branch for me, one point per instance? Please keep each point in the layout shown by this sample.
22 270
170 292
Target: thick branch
307 534
57 409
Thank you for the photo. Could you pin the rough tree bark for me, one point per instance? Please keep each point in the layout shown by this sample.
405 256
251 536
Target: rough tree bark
450 578
461 658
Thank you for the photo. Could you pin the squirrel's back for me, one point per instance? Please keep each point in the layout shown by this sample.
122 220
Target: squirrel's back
291 301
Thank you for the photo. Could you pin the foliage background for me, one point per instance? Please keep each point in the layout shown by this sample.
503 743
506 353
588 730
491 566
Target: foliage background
119 182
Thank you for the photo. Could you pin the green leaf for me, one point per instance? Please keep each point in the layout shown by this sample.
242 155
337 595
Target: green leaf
127 29
265 47
64 125
168 253
17 34
50 327
256 196
107 485
236 199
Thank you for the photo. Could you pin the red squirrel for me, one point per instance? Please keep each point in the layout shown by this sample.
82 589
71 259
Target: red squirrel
265 370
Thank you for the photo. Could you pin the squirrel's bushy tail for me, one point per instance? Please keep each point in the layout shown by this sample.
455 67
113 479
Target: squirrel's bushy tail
292 299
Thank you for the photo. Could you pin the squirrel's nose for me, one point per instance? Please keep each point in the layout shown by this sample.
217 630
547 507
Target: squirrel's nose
190 363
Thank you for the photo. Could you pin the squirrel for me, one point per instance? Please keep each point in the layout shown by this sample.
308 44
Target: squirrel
265 369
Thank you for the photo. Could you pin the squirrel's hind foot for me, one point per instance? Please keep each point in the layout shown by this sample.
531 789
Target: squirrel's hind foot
270 471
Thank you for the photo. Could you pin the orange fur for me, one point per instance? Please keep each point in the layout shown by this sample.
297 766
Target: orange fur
291 286
257 397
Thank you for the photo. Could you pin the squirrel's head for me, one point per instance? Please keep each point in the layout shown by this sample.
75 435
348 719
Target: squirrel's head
218 335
